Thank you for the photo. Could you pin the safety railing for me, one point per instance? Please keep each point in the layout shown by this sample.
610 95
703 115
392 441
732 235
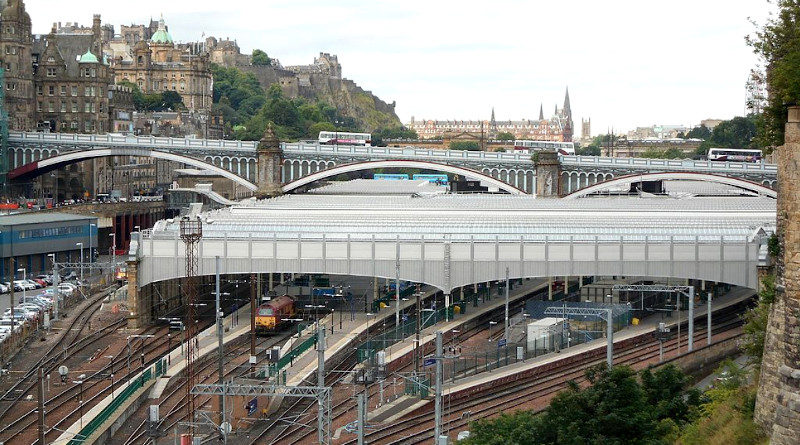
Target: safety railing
156 370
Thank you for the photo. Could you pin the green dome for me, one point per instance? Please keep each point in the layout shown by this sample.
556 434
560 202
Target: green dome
88 58
161 36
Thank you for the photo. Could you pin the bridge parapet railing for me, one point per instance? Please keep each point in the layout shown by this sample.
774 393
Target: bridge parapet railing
691 165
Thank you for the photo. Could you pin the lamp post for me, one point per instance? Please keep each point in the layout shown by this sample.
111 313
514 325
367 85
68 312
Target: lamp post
24 284
129 347
56 293
81 246
113 248
91 251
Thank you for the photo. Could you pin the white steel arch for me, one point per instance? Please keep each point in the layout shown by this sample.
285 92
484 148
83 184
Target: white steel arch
69 158
630 179
347 168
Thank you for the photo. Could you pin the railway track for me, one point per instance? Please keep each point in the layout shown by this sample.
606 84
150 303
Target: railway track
534 389
174 401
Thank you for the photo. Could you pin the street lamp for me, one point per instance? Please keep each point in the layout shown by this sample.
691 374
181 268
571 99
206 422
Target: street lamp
113 248
91 256
129 347
81 246
24 284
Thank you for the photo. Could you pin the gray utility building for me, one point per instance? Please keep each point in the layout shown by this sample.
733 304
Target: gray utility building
30 237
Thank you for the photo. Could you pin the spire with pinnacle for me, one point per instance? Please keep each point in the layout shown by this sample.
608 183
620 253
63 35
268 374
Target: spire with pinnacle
567 110
541 112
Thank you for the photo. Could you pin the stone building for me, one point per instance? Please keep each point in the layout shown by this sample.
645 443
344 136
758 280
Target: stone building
557 128
15 50
71 83
157 65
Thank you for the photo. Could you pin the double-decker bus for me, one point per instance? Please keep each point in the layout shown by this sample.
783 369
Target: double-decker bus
338 137
734 155
527 147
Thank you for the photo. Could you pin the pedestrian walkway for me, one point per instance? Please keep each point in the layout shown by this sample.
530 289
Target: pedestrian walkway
162 371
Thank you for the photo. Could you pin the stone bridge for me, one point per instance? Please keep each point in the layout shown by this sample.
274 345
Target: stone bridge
31 154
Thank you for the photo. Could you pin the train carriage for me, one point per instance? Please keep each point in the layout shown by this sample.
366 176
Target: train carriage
273 315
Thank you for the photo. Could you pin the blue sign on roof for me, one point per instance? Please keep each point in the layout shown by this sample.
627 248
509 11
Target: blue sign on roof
429 362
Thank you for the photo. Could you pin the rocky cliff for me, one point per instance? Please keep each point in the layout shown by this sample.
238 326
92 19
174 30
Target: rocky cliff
369 111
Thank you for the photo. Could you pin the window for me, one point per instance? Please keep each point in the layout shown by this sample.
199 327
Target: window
87 107
63 107
51 72
39 90
51 90
74 125
74 91
50 107
87 126
94 72
63 90
74 107
51 59
39 107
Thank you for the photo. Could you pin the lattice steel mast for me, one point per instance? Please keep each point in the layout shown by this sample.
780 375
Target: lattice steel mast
191 232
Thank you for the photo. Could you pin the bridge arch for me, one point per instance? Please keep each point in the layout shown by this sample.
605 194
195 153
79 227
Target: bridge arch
707 177
37 168
369 165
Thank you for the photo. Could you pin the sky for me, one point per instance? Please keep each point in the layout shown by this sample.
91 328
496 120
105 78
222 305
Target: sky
626 63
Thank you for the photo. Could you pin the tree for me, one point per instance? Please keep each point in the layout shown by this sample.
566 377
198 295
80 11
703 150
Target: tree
505 136
701 132
615 409
171 100
589 150
735 133
465 145
777 42
260 58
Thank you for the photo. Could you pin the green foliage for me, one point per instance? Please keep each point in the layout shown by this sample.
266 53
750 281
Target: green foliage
589 150
167 101
616 409
670 153
260 58
247 108
701 132
382 134
755 322
777 42
505 136
726 416
465 145
774 246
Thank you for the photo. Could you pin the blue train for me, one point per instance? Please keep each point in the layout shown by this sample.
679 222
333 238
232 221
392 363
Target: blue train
439 179
390 176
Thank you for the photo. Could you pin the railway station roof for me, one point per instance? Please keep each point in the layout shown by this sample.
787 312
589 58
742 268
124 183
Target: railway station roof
379 187
482 216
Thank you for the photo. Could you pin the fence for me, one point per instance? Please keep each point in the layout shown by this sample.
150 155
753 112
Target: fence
157 370
297 351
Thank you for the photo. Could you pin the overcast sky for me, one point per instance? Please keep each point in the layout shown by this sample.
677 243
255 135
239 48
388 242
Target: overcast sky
627 63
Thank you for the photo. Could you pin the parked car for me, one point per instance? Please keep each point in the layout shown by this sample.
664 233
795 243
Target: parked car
34 283
41 282
47 278
3 288
6 321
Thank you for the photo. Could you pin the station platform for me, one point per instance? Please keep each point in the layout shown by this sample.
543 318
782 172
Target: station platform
207 342
647 326
339 336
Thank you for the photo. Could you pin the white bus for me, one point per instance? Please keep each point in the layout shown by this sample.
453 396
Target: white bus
527 147
338 137
734 155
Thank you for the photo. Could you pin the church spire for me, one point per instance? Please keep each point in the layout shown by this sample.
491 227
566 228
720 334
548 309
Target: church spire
541 112
567 110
